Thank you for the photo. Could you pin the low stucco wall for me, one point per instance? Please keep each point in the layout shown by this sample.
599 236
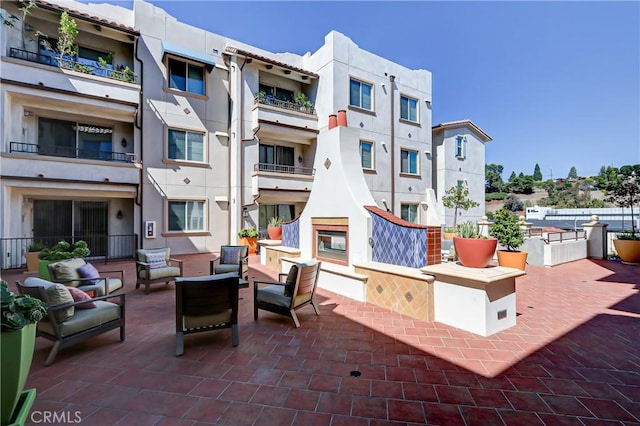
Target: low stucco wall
566 251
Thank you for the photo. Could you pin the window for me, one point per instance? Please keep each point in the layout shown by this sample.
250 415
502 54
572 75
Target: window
186 216
278 93
331 243
360 94
408 162
409 109
61 138
186 145
267 211
186 77
459 184
366 154
461 147
409 212
275 158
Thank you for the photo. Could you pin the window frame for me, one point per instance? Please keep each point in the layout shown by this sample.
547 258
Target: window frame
417 107
372 94
205 145
205 217
373 154
187 63
414 205
417 154
460 148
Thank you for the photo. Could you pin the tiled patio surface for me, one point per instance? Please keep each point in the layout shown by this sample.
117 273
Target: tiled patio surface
573 358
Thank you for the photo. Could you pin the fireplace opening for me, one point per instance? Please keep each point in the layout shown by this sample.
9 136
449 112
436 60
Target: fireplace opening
331 243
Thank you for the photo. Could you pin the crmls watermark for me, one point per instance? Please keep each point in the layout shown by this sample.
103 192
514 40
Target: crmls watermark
55 417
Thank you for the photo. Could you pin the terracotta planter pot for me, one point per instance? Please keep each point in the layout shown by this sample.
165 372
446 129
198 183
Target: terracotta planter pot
448 235
628 250
475 252
32 260
275 232
333 121
512 259
342 117
252 242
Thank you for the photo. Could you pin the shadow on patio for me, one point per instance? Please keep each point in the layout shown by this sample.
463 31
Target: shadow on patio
572 358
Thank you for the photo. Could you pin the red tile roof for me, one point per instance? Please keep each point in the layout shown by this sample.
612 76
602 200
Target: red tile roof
394 219
86 17
462 123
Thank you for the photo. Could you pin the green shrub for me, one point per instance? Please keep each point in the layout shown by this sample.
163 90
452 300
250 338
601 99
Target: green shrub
64 250
490 196
19 310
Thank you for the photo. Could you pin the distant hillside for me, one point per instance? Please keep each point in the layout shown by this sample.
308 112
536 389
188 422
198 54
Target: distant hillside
538 194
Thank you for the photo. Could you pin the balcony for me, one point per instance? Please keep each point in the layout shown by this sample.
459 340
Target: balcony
270 177
71 152
284 120
86 67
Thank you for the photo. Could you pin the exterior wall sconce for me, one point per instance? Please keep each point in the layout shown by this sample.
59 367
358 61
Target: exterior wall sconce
245 212
386 206
28 113
119 215
300 159
123 142
427 153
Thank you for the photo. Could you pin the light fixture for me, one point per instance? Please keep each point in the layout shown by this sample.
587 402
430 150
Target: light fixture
384 202
123 142
28 113
119 214
427 152
300 159
245 212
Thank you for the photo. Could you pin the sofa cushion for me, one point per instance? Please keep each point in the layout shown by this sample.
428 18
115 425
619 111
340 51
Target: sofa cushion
225 269
58 294
79 296
85 319
274 295
155 274
142 253
290 282
231 255
89 271
67 271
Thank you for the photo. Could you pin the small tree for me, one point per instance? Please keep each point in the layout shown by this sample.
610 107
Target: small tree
624 190
573 173
457 198
67 32
506 230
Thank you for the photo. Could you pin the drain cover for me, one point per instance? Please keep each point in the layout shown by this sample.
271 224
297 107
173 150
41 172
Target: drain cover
355 373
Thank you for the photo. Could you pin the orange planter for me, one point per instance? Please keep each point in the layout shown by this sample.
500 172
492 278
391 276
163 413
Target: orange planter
512 259
275 232
252 242
628 250
475 252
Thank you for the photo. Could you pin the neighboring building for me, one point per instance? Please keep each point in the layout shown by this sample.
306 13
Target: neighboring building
616 218
459 158
207 135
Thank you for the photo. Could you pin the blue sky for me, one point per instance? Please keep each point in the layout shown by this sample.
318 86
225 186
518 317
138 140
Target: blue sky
553 83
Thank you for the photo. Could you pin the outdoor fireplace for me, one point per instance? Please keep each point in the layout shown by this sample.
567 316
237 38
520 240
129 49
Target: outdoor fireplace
331 240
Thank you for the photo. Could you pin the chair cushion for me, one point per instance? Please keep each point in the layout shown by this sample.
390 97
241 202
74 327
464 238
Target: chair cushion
58 294
225 269
274 295
89 271
199 321
78 296
155 274
156 260
230 255
290 282
66 270
84 319
142 253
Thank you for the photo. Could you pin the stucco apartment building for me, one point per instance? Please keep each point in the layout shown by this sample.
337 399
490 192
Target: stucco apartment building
157 133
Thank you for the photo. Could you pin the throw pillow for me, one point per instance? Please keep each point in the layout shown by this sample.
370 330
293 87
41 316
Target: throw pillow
89 271
230 256
156 260
58 294
79 296
290 283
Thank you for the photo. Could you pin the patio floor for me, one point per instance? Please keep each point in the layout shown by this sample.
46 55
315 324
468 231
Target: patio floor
572 358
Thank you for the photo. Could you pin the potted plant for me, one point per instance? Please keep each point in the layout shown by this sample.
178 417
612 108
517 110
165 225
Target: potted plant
248 237
20 313
624 191
303 102
473 249
457 198
449 232
510 237
32 255
274 228
61 251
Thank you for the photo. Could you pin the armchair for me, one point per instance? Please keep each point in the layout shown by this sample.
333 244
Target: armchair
78 273
286 297
67 323
231 259
204 304
155 266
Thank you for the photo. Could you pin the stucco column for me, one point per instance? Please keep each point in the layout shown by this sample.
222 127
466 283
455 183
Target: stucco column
596 238
524 226
484 226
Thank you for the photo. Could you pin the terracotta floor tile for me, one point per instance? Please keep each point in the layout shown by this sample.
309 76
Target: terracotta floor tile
275 416
443 414
489 398
299 399
406 411
475 416
239 413
566 405
603 409
335 403
308 418
270 395
520 418
369 407
419 392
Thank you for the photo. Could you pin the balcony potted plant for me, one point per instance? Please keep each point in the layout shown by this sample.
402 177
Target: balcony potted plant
510 237
32 255
624 191
61 251
248 237
473 249
274 228
20 313
303 102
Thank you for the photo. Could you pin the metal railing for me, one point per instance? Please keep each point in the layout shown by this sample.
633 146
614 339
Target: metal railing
103 247
278 168
291 106
55 60
558 237
71 152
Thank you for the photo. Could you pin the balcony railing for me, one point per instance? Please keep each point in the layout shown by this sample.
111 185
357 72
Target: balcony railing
71 152
291 106
85 67
277 168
